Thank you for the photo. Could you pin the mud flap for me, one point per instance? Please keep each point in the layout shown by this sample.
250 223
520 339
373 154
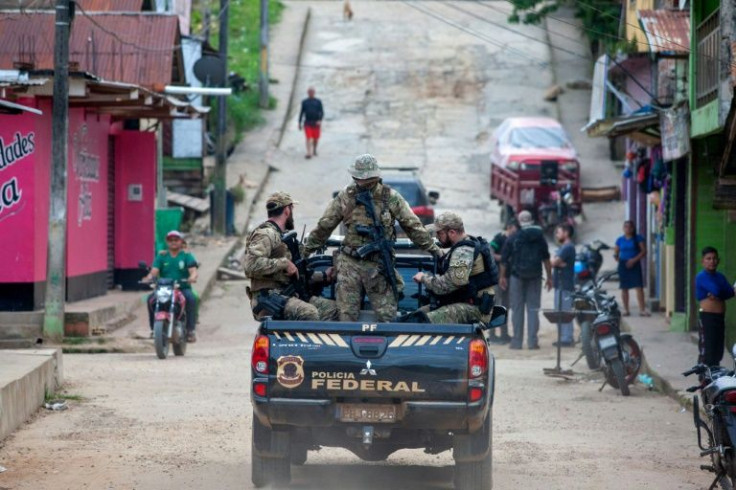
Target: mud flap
270 443
468 448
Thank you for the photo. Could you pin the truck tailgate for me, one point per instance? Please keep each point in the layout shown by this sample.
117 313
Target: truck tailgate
369 362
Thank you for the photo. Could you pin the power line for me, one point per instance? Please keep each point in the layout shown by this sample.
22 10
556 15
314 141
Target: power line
542 64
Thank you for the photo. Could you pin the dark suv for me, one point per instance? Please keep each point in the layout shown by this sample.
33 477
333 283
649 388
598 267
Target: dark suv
411 188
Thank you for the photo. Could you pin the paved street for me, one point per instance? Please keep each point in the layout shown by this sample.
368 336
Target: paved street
420 84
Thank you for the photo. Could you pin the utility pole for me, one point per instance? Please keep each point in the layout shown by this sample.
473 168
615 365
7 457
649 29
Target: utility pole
263 71
53 321
219 225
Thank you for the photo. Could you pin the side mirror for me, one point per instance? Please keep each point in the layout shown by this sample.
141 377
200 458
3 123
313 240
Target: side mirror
142 265
434 196
498 317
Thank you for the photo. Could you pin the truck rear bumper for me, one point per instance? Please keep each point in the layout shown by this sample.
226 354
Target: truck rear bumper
415 414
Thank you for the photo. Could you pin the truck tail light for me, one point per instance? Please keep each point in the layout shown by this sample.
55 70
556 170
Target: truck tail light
603 329
423 211
260 388
477 359
730 397
475 394
259 357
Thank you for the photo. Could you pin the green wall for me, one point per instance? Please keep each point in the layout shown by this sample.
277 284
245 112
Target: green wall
713 227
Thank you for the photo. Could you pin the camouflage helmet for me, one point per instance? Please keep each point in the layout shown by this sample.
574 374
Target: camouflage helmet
448 221
279 200
365 167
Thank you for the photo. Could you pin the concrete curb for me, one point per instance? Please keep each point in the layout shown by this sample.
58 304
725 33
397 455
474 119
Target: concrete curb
660 383
297 71
27 377
268 157
553 64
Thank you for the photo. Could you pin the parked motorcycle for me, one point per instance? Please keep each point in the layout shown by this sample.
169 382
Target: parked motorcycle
601 336
559 209
588 261
718 394
169 318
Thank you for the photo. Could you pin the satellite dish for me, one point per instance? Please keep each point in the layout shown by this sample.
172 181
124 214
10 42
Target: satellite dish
210 71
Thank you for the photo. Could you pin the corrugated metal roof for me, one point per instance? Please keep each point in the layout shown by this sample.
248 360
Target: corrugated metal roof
137 48
87 5
666 30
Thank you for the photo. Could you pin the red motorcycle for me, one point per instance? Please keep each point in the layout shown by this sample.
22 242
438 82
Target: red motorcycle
169 317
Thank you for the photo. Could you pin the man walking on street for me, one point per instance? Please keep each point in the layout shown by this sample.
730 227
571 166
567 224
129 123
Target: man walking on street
563 264
502 295
712 290
268 264
465 278
358 273
310 118
525 253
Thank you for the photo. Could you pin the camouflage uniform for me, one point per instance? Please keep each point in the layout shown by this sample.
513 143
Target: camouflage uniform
461 267
265 262
354 275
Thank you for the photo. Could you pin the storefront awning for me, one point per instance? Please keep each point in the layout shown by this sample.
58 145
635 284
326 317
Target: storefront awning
643 128
7 107
667 31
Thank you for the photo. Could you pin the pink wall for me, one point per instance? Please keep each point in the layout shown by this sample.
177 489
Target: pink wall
87 215
135 160
22 196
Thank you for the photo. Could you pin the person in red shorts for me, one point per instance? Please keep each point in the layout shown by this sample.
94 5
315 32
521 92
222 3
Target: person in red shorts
310 118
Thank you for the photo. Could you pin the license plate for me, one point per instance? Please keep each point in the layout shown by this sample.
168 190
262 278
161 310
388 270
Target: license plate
350 412
607 342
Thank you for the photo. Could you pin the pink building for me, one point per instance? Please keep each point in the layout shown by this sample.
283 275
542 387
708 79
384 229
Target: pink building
115 102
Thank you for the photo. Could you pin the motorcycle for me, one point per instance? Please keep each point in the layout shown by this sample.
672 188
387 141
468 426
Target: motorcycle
601 337
560 209
588 261
169 318
718 394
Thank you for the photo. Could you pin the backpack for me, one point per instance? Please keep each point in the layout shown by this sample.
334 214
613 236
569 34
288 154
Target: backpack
527 255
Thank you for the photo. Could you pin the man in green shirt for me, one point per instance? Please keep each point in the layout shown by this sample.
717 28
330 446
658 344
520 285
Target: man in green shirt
178 265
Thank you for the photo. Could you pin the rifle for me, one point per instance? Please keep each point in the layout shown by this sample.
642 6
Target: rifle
299 285
379 243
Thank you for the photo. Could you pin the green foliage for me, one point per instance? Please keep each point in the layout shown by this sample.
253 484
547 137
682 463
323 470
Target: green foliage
600 18
243 56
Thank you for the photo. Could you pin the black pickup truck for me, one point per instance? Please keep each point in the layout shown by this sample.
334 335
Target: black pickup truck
373 388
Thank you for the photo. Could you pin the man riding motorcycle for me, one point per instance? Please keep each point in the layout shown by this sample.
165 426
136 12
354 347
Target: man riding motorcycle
178 265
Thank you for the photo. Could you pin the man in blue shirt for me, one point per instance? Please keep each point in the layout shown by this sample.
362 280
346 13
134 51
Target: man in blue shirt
563 265
712 289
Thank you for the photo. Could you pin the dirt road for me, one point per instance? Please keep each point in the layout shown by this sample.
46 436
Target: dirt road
414 89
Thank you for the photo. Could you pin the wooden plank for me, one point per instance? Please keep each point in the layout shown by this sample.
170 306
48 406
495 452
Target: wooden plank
189 202
225 273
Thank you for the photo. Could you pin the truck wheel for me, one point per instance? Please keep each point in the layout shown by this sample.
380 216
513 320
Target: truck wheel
267 471
478 475
160 339
592 355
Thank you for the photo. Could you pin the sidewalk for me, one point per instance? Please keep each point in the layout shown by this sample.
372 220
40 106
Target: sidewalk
666 354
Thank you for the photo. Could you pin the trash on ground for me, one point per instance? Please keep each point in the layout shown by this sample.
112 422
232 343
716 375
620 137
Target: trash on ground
56 405
646 380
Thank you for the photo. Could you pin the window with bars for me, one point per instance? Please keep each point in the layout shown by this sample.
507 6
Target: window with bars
707 73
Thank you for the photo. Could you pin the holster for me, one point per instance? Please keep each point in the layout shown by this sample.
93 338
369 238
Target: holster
485 303
270 303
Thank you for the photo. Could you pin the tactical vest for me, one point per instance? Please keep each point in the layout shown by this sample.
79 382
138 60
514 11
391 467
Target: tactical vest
479 281
354 215
271 281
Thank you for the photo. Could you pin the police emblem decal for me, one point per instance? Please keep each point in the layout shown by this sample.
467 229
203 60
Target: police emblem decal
290 371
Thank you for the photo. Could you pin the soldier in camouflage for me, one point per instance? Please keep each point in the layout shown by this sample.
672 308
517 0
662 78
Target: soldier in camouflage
465 275
355 275
267 263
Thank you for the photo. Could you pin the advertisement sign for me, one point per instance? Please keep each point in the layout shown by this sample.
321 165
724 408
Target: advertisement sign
675 129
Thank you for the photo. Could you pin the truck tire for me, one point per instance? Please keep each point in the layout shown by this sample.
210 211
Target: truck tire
478 475
160 339
592 355
267 470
